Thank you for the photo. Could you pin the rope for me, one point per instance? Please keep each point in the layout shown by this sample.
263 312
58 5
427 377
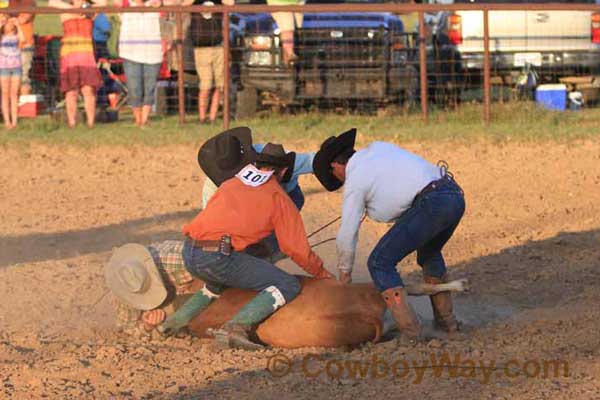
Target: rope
322 241
323 227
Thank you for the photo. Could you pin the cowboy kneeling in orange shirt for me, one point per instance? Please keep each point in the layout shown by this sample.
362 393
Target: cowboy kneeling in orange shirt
249 205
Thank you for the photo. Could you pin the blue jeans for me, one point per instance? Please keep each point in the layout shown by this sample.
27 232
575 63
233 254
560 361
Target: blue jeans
298 198
141 82
238 270
425 227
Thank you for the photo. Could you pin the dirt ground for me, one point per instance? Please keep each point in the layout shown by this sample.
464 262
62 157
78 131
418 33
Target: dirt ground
529 243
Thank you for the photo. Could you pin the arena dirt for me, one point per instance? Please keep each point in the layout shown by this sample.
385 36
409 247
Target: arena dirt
529 243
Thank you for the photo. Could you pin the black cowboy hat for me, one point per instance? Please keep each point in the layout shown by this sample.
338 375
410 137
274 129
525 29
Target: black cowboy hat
274 154
224 155
330 149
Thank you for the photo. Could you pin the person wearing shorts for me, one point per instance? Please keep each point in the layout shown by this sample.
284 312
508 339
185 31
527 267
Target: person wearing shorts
287 22
206 35
10 69
25 21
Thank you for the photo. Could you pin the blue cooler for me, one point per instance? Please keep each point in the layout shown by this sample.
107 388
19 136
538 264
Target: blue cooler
552 97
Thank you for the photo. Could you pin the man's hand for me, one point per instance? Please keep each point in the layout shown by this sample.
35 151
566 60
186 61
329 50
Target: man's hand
345 277
325 275
152 318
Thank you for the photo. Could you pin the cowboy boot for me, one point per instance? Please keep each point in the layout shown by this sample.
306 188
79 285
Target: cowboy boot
397 302
235 333
192 307
441 303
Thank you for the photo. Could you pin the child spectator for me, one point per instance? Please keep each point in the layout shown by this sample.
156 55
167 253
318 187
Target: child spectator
10 69
25 21
101 34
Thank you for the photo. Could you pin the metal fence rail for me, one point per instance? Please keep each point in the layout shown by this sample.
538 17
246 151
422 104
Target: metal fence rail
419 64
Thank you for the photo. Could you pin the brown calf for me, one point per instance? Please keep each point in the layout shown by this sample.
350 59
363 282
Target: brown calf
326 313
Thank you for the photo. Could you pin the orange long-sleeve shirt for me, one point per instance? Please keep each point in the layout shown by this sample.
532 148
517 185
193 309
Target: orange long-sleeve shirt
250 214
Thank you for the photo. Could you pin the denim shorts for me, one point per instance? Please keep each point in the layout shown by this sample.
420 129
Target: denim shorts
10 72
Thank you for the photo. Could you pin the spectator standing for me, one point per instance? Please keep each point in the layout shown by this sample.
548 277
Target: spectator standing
287 22
78 70
100 35
25 21
140 46
10 69
207 36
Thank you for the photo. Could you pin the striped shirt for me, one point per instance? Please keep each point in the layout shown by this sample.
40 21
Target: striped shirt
140 38
10 55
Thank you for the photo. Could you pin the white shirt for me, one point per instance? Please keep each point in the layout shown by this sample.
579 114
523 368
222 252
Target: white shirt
382 179
140 39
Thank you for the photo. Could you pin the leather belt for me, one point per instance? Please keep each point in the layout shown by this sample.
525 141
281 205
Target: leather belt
222 246
211 246
433 185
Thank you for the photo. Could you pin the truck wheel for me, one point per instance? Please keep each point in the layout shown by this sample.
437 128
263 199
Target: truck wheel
246 102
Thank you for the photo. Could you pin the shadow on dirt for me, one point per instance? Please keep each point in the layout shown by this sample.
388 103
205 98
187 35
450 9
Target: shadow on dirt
535 275
53 246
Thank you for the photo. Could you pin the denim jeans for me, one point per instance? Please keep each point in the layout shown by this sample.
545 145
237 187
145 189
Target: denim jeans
298 198
425 227
238 270
141 82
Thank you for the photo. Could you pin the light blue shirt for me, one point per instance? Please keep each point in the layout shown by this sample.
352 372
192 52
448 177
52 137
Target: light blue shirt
383 180
302 165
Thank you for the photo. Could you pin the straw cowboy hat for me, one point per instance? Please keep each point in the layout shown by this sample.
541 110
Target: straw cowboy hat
330 149
274 154
133 277
225 154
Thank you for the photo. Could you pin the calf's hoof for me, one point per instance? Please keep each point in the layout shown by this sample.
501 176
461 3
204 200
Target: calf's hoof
235 336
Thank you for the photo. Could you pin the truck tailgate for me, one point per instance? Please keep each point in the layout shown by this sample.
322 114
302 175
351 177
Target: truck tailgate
507 31
528 31
559 30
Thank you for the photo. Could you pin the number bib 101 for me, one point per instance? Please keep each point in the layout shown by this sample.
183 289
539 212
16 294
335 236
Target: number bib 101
252 176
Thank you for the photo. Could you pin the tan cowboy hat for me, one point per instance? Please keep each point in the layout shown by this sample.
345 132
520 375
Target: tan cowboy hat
133 277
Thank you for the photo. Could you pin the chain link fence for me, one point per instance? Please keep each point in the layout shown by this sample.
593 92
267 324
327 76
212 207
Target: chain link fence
222 62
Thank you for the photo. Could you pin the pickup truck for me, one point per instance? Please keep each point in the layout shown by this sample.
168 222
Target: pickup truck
342 56
554 43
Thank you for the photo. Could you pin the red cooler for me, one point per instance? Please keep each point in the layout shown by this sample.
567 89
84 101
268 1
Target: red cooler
31 105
